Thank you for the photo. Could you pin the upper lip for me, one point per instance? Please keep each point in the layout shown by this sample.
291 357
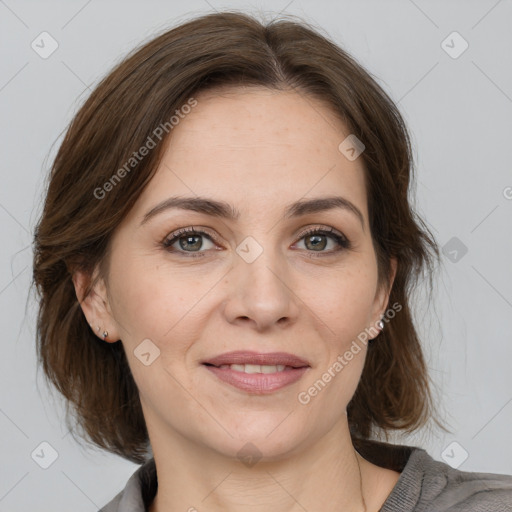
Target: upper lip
257 358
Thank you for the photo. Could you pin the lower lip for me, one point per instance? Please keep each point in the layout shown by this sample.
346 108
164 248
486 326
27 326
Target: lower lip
258 383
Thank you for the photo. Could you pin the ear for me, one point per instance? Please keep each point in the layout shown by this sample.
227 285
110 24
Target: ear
95 305
382 295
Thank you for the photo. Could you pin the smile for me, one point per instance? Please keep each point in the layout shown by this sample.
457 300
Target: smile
257 379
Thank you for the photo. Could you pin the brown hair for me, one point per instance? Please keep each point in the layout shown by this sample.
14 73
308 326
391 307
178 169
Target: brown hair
141 94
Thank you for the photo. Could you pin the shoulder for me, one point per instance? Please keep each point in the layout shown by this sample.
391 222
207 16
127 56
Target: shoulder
138 492
113 504
441 488
458 491
429 485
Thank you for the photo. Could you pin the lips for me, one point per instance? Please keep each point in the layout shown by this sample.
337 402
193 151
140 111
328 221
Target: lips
256 358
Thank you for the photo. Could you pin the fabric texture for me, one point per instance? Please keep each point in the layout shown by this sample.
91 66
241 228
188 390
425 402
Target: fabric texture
425 484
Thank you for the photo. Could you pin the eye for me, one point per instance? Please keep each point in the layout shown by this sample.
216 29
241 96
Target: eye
317 239
189 241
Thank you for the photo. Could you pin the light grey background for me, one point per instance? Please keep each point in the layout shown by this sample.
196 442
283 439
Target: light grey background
459 111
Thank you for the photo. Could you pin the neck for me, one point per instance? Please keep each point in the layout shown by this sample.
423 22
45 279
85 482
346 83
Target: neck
326 475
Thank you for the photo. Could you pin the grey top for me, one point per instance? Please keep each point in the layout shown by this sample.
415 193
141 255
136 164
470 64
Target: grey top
425 484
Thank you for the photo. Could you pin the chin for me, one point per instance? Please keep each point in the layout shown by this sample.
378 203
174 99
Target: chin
263 441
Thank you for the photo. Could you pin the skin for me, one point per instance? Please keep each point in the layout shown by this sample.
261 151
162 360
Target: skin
259 150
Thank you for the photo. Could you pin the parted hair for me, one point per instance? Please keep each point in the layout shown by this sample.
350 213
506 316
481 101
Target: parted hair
142 93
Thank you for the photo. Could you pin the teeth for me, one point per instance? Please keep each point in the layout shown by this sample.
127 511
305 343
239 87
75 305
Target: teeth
255 368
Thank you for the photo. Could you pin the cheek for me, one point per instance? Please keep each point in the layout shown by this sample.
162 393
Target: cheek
345 308
347 299
147 300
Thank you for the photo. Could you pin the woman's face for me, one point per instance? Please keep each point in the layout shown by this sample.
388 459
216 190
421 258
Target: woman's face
256 282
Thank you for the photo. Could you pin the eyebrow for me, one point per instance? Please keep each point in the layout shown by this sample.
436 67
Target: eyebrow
227 211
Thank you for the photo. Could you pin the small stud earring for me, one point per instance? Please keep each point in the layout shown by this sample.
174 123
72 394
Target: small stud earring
380 324
105 334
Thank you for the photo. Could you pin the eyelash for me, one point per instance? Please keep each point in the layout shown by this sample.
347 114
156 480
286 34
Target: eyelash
342 241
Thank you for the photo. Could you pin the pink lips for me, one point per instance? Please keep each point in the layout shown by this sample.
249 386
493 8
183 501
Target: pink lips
248 357
258 383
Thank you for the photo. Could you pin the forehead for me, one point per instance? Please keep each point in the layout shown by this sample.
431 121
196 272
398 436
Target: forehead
260 147
258 116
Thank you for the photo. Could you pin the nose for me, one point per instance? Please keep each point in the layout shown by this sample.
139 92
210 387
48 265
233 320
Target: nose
261 293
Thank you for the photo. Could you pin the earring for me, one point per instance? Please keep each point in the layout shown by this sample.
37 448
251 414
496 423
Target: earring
380 325
105 333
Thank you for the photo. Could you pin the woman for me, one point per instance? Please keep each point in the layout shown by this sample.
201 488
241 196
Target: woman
225 260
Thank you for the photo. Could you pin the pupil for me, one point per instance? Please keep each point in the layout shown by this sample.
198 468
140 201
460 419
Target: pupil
318 242
188 239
